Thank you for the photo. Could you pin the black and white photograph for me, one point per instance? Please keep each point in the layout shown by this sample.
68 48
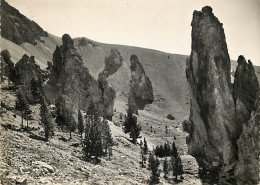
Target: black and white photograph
130 92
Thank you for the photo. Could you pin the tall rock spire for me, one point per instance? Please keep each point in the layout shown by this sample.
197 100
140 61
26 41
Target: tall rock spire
217 110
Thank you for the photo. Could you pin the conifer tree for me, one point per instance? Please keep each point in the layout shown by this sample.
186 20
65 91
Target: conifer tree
165 167
130 126
35 88
142 159
97 139
80 125
154 167
27 113
107 137
145 147
46 118
177 168
21 105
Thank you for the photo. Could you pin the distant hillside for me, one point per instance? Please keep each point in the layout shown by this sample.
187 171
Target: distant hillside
18 28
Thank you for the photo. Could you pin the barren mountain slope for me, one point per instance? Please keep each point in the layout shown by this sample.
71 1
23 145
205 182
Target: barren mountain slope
42 51
166 72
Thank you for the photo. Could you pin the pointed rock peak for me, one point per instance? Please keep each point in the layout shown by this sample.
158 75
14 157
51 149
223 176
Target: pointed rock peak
134 60
241 59
67 42
207 10
246 85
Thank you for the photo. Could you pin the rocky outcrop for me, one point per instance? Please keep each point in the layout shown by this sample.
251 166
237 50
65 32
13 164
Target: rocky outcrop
218 110
247 168
112 63
18 28
141 90
246 90
74 87
246 86
27 69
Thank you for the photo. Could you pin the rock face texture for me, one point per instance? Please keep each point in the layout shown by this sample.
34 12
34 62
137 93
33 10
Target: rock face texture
246 89
247 168
112 63
141 90
18 28
215 130
246 86
74 87
217 109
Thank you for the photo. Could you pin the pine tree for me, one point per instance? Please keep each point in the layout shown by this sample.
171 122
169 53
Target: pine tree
36 90
142 159
177 168
130 126
97 139
165 168
107 137
71 125
145 147
21 105
46 118
80 125
154 167
27 113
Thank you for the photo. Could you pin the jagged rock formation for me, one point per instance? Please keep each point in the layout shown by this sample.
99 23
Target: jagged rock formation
246 89
18 28
74 87
247 168
246 86
141 90
217 110
112 63
27 69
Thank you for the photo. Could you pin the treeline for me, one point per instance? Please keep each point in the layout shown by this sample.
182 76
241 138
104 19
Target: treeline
98 140
163 150
174 164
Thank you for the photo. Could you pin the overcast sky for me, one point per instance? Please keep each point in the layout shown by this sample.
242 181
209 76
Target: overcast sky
157 24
